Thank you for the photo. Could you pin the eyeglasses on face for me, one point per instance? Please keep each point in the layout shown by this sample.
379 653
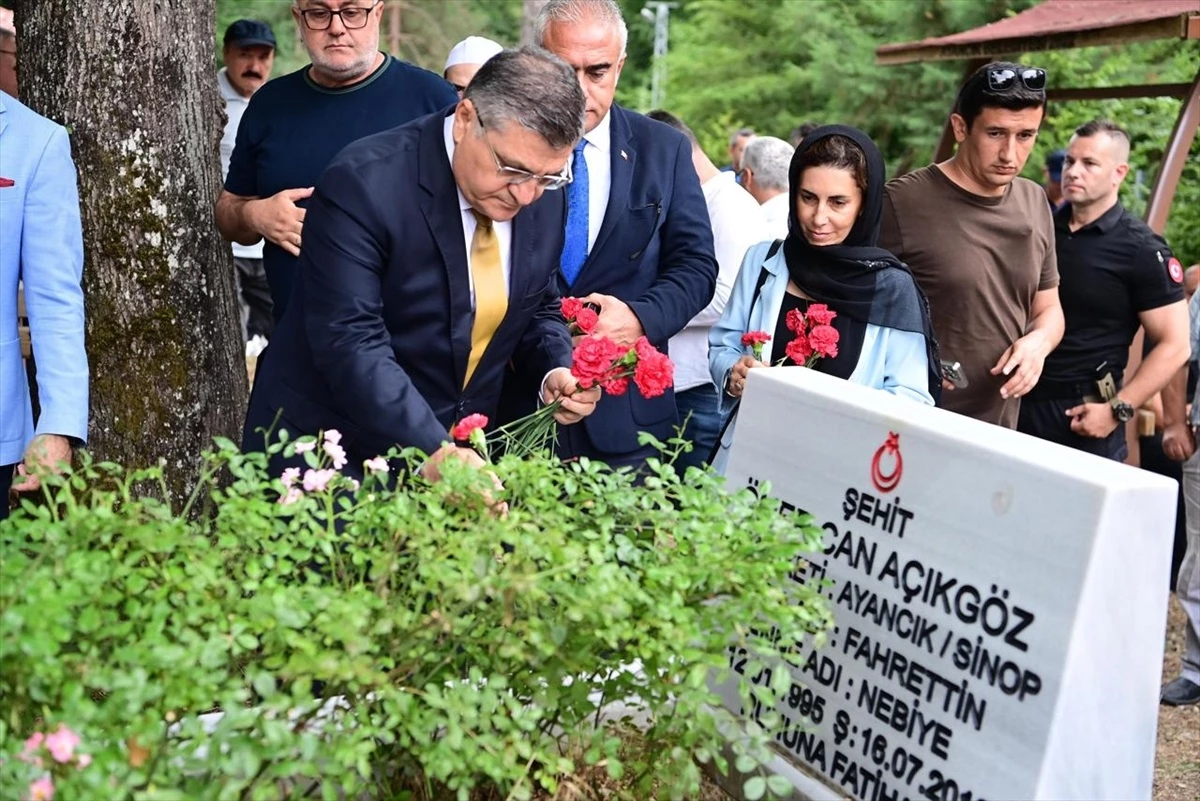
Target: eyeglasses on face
353 17
515 177
1005 78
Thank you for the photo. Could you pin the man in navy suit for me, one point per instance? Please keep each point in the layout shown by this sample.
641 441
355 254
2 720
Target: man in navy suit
637 237
427 268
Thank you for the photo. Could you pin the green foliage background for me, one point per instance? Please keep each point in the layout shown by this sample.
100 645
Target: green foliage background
772 64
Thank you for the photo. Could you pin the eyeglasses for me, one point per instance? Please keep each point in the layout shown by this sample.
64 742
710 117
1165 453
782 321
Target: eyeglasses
353 17
1005 78
515 177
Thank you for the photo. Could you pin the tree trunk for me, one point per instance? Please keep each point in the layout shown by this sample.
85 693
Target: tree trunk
529 11
135 83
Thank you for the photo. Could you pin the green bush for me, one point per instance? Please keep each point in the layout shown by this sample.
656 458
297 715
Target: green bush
460 646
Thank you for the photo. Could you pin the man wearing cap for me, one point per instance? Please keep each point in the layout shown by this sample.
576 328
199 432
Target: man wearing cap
466 58
249 54
296 124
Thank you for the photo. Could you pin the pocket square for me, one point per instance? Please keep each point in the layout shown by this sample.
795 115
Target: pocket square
5 183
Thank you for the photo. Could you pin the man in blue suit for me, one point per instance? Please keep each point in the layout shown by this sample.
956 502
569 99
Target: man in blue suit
427 269
637 237
41 245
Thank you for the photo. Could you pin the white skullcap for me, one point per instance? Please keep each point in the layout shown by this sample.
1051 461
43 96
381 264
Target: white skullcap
472 50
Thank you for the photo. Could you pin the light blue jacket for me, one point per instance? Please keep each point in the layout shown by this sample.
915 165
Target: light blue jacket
41 244
891 360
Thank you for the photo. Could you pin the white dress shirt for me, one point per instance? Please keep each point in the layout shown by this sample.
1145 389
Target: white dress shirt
597 152
503 229
235 107
737 225
775 215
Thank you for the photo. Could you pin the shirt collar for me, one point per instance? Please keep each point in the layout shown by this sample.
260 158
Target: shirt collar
226 86
600 137
1102 224
448 137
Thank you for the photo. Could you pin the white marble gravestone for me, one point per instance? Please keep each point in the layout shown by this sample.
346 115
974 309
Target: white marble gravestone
999 601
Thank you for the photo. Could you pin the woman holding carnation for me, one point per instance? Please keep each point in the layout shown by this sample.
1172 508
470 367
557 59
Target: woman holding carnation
830 275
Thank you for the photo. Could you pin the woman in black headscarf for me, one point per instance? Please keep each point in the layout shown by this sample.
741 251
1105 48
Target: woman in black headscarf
830 257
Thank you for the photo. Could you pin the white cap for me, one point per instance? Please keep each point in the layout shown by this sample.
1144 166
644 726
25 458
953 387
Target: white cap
472 50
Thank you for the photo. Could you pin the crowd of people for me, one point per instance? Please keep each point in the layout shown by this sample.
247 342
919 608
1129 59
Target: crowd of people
402 240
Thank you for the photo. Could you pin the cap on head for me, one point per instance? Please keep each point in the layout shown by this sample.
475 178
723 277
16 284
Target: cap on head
1054 165
247 32
472 50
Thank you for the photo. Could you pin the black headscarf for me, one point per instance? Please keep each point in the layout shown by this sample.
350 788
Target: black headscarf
858 278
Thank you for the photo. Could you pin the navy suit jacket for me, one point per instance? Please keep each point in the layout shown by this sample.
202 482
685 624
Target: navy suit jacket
655 252
376 339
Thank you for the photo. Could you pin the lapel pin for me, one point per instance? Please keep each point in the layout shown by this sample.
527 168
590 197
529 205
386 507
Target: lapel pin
5 183
624 156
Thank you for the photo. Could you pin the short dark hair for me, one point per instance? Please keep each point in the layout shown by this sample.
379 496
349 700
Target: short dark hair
668 118
975 95
800 131
835 151
533 88
1109 127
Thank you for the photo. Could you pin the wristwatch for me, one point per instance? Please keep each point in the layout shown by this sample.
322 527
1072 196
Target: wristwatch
1121 410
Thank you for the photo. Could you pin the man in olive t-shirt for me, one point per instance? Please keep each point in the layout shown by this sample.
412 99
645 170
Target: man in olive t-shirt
980 242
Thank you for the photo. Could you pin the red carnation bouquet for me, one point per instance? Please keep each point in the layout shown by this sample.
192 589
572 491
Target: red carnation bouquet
596 361
815 338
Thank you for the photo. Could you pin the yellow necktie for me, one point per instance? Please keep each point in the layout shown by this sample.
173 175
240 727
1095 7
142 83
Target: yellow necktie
491 291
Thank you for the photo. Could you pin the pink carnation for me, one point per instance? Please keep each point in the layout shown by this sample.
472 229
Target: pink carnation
571 308
798 350
586 320
820 314
317 480
616 386
463 428
824 340
795 321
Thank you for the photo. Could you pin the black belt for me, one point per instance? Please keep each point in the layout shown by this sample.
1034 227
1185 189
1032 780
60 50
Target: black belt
1064 390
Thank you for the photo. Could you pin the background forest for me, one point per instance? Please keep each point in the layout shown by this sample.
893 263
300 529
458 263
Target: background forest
772 64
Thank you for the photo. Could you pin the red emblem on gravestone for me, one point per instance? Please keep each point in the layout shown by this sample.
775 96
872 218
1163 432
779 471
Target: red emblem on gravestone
887 466
1175 269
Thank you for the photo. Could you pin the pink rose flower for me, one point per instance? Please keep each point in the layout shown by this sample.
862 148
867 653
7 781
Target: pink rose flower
336 453
376 465
61 744
41 790
317 480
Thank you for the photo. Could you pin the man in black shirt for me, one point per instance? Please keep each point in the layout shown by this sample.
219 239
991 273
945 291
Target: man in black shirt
1116 274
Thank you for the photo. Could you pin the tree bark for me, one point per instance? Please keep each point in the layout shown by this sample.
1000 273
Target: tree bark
135 83
529 11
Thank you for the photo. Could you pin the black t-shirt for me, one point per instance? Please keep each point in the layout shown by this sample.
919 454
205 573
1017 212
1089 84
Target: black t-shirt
1111 270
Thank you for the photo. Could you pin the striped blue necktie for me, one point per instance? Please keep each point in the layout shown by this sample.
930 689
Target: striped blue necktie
575 243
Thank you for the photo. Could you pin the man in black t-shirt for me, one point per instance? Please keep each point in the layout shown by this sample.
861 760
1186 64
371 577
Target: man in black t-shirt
297 123
1116 275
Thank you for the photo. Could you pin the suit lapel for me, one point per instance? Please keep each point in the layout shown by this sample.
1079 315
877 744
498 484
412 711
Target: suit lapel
440 205
622 158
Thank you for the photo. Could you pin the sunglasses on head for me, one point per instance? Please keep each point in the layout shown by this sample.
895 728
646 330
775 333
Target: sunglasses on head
1003 79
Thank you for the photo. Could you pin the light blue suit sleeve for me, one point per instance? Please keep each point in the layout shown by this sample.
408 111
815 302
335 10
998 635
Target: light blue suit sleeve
52 269
725 337
906 365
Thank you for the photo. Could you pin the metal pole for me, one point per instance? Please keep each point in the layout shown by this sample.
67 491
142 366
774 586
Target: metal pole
659 12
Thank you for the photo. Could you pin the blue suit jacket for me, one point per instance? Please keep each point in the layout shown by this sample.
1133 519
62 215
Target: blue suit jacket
655 252
376 339
41 244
